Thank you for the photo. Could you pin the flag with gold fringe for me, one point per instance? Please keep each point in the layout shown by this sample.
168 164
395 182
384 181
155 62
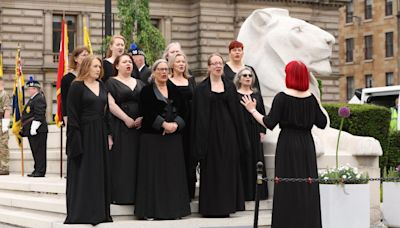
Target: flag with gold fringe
86 38
18 98
62 69
1 62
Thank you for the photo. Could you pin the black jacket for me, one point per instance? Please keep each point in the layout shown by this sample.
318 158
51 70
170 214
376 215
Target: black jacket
155 109
201 118
35 109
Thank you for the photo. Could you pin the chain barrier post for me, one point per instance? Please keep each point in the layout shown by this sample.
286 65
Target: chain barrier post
260 167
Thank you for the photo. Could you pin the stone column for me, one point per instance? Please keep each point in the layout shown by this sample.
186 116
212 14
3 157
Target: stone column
48 38
47 90
167 29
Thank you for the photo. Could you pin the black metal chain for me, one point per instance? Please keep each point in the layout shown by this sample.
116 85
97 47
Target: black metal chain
330 180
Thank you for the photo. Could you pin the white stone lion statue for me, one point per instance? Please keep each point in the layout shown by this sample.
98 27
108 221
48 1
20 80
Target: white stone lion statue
271 39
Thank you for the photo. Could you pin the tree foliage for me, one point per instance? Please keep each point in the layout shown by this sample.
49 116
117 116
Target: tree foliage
136 27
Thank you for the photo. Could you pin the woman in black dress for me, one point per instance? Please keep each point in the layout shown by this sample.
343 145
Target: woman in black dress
115 49
186 84
219 136
235 63
124 92
78 54
244 82
88 147
161 184
296 111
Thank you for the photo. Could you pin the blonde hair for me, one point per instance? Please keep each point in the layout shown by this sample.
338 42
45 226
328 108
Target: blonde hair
84 70
209 60
236 79
165 54
171 62
72 64
109 52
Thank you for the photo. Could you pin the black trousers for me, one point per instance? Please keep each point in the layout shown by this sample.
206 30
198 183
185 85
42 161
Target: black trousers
38 144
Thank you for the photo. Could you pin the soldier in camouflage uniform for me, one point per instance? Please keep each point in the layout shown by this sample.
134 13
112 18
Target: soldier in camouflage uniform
5 112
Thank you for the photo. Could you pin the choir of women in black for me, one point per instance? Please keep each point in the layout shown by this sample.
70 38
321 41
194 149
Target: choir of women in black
296 111
219 136
186 84
124 92
88 143
78 54
161 182
244 82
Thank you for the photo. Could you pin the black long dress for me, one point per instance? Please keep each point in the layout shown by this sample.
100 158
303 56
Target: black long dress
248 162
295 204
219 136
187 95
88 200
108 70
123 155
161 183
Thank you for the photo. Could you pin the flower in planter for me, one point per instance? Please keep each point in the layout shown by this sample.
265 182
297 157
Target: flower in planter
343 175
343 112
394 173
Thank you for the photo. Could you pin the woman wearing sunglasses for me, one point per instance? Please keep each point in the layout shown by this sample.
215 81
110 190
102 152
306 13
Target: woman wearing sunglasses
244 82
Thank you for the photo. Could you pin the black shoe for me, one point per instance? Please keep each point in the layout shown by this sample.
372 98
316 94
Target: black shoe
35 175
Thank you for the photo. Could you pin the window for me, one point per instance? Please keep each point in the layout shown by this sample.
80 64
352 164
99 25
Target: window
350 87
349 49
71 25
368 47
389 7
368 9
349 12
389 44
389 78
368 80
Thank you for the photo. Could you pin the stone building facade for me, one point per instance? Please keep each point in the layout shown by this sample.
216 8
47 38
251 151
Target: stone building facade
368 45
201 26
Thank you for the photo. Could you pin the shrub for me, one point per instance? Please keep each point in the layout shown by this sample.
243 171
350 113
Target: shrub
369 120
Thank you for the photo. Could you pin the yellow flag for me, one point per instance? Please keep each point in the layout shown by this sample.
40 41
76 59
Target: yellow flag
1 62
86 38
18 98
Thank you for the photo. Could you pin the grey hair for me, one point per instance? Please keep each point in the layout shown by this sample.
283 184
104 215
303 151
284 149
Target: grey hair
165 54
154 67
236 79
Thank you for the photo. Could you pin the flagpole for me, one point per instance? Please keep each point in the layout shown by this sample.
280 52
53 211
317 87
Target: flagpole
22 140
61 151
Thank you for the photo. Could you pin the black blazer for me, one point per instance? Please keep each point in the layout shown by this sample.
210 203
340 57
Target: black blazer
156 109
35 109
201 118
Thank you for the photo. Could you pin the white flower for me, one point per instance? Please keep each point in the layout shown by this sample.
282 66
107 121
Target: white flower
326 178
344 176
358 176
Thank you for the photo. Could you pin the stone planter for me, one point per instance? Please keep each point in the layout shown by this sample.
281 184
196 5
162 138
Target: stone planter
391 204
345 206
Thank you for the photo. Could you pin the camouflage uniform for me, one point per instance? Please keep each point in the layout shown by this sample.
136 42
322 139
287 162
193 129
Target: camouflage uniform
5 104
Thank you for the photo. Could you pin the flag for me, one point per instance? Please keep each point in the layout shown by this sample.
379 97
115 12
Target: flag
18 98
1 62
62 69
86 38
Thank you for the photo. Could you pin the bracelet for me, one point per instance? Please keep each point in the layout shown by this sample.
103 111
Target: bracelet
253 110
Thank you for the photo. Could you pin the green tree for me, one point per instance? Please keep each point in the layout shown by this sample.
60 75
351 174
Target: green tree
136 27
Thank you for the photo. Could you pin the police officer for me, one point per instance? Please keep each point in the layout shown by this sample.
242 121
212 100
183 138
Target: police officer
34 126
5 112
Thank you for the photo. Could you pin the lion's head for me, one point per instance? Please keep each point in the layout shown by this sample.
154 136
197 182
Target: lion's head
272 39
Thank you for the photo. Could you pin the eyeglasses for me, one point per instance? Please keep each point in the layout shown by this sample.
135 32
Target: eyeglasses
217 63
247 75
162 69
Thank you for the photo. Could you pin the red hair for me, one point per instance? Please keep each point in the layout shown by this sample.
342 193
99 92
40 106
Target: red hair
235 44
297 76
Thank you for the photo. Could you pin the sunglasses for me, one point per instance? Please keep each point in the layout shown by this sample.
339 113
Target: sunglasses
247 75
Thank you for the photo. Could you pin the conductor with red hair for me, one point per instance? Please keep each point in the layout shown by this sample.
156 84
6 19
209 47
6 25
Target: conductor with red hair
296 111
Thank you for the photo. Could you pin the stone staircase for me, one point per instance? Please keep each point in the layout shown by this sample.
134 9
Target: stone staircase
40 203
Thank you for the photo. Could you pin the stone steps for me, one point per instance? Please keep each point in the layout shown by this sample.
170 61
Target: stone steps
40 202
